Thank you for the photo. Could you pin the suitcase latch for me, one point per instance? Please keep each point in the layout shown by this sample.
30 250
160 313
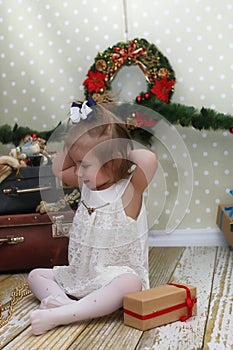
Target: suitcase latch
60 228
11 240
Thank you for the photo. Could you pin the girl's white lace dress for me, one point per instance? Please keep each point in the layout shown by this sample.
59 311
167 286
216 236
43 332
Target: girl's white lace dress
104 244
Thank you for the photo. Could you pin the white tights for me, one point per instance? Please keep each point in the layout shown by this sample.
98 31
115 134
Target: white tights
57 308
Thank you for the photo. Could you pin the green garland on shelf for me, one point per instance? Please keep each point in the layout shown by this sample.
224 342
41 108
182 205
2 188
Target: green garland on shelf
175 113
15 135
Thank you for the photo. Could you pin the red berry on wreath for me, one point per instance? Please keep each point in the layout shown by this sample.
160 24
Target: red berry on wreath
139 99
146 96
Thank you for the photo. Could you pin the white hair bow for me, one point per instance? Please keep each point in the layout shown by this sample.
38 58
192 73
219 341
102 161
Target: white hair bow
79 111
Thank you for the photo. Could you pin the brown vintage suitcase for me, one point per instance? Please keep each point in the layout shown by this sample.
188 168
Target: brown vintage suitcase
34 240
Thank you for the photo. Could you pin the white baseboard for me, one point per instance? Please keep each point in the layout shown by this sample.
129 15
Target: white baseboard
187 237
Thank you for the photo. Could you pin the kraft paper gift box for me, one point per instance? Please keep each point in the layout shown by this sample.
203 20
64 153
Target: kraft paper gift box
159 306
225 221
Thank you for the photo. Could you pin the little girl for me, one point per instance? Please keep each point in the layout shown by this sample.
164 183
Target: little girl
108 252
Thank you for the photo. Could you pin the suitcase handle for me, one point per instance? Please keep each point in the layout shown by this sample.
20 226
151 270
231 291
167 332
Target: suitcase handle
11 240
14 191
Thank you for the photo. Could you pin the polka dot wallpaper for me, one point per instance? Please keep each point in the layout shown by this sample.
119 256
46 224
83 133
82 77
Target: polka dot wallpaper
205 183
47 48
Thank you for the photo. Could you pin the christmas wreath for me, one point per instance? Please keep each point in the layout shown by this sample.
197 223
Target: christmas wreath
158 72
160 85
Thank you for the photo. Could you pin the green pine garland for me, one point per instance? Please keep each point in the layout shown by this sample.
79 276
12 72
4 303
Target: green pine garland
175 113
16 134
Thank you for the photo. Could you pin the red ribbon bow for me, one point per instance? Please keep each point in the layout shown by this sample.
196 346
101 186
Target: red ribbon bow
189 301
120 55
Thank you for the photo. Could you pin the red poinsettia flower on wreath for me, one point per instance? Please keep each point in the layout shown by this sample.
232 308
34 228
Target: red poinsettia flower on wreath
162 88
95 81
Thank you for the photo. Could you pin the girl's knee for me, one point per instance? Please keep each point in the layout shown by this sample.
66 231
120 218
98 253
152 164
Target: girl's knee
130 282
135 282
33 275
38 273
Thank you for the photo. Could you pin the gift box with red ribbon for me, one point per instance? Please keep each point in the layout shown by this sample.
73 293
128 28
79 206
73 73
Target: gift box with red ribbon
160 305
225 221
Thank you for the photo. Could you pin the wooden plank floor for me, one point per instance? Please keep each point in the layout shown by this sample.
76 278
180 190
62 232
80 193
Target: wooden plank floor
208 268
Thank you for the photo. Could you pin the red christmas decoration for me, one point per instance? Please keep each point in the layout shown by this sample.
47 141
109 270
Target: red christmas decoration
139 99
162 88
143 119
95 81
146 96
231 130
131 53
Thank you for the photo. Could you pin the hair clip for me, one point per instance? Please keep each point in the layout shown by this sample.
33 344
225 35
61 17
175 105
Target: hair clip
80 111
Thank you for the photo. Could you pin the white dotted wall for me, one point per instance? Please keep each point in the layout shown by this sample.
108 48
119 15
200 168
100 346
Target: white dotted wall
196 36
212 173
47 48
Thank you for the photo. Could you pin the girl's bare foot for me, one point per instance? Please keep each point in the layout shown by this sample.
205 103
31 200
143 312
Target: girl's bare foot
42 321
